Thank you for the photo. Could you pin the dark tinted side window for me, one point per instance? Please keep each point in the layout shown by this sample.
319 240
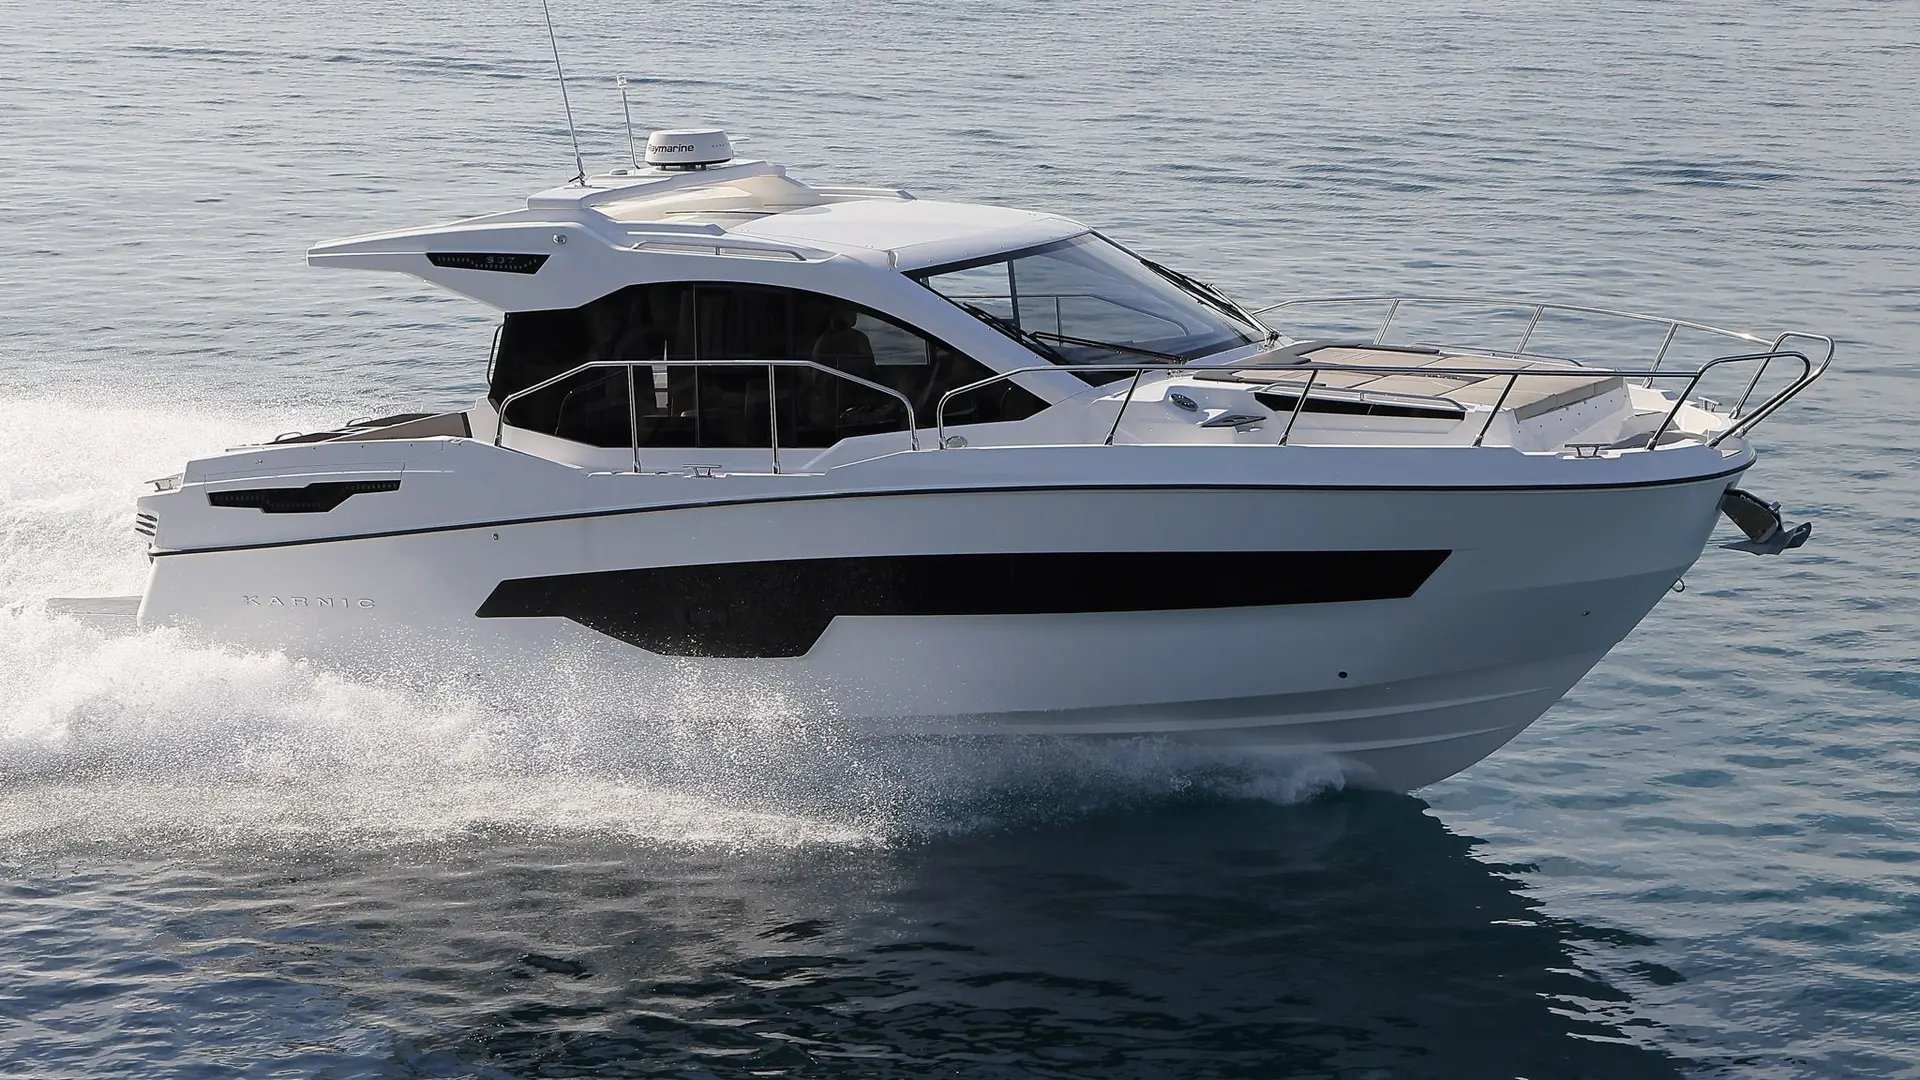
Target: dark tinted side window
719 406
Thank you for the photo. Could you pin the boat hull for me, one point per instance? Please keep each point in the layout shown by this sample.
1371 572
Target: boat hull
1404 634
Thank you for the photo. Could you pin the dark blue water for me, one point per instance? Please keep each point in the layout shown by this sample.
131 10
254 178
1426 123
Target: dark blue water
1705 861
1350 936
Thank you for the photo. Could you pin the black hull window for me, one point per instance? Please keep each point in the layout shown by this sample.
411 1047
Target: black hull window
714 405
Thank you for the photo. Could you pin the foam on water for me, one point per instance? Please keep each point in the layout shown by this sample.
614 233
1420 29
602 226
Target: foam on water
117 737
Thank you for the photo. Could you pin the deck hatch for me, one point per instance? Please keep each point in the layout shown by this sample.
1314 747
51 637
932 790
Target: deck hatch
780 608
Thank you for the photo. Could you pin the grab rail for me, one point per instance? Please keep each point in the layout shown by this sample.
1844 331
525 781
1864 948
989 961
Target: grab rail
1535 308
704 239
773 401
705 245
1808 373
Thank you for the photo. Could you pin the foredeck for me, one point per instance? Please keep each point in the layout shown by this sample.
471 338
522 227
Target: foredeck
1334 367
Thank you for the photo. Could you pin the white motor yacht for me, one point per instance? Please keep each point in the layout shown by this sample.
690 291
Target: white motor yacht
944 468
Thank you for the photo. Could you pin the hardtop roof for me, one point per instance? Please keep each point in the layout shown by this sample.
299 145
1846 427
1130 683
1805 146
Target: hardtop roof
915 233
755 200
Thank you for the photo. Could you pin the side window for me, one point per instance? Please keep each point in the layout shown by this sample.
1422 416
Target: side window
989 288
893 346
721 405
878 350
640 322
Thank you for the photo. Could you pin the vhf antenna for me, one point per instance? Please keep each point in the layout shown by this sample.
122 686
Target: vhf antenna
621 82
580 177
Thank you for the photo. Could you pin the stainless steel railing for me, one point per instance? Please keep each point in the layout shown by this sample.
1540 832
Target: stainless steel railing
1304 391
1741 419
1536 310
773 398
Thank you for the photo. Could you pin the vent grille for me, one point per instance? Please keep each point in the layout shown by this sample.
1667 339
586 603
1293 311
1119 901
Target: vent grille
499 262
145 524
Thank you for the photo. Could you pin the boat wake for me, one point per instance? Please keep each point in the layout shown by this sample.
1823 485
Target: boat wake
151 740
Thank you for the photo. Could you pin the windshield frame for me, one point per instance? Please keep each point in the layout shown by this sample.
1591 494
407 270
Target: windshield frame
1239 333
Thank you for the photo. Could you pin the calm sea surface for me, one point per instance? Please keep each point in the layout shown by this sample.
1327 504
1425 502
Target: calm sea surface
1706 861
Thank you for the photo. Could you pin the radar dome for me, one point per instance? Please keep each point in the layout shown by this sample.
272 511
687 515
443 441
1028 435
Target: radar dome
688 148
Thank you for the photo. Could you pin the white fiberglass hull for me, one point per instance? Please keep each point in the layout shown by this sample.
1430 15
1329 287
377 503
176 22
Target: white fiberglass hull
1407 633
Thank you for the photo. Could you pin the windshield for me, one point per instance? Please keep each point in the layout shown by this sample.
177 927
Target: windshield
1074 298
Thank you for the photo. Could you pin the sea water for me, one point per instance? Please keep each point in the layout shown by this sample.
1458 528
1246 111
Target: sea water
220 863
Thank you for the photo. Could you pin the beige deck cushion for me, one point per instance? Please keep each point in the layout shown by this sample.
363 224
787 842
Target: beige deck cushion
1289 367
1345 380
454 423
1374 357
1539 394
1421 385
1530 396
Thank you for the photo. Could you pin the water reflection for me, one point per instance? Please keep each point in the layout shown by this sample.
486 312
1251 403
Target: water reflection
1350 936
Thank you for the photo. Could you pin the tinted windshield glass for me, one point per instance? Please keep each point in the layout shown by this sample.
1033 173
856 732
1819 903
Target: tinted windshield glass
1091 289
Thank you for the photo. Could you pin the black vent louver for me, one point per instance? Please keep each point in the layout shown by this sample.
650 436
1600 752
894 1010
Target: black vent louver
315 498
498 262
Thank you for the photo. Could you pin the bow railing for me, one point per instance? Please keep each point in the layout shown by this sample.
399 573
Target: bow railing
1302 392
1538 311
